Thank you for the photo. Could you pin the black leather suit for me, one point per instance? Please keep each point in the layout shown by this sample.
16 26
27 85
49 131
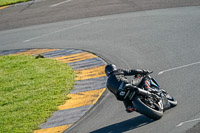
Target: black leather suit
116 83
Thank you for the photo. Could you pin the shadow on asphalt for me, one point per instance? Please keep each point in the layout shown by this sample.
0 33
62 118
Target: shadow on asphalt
124 126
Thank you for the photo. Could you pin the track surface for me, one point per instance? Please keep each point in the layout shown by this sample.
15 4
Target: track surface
159 40
46 11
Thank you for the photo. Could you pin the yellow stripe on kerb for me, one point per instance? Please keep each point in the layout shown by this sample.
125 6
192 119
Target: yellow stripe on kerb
76 57
3 7
59 129
82 99
35 51
90 73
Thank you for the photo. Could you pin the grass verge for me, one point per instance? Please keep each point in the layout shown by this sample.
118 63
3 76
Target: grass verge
30 91
9 2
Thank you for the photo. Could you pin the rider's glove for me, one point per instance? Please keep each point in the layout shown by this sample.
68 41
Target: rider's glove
146 72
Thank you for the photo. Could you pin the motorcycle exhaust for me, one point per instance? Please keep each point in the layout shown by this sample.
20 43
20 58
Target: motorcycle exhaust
142 92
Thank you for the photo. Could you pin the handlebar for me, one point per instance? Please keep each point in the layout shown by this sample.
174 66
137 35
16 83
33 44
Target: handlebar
150 72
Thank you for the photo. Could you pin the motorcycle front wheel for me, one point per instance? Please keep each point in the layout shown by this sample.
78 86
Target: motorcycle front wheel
148 107
170 99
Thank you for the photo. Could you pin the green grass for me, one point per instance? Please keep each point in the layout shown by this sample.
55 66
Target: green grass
30 91
8 2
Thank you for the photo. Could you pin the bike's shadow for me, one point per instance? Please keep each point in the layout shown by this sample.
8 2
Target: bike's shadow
124 126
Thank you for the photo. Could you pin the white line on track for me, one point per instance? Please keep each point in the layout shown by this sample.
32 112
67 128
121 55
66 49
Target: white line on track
75 26
180 124
178 67
60 3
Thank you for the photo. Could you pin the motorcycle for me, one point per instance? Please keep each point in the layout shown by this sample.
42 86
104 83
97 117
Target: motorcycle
149 99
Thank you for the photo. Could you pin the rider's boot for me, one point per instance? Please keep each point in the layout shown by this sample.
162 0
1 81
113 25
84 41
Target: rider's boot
130 109
129 106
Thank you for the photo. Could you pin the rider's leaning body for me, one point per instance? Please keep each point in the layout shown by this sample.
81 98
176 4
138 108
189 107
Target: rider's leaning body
117 81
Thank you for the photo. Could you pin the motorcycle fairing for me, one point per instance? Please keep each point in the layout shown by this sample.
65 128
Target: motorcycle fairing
154 83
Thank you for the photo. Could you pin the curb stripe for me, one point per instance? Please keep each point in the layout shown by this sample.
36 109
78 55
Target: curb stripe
90 73
86 64
3 7
82 99
8 52
65 117
89 84
59 129
61 52
35 51
76 57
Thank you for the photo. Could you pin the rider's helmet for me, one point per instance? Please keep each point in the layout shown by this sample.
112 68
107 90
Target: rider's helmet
110 68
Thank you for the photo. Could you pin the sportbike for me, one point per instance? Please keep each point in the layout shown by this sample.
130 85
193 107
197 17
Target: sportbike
149 99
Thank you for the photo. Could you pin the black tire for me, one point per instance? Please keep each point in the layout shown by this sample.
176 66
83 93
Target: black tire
170 98
144 109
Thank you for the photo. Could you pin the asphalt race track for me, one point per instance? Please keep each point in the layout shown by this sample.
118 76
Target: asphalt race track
38 12
163 40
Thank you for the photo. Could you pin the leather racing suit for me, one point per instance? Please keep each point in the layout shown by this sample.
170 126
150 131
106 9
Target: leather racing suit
116 83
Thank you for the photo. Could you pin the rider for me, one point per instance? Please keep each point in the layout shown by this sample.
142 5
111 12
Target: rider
117 83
